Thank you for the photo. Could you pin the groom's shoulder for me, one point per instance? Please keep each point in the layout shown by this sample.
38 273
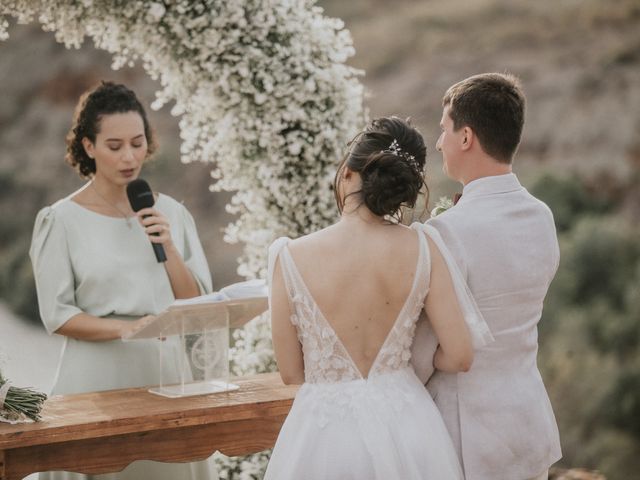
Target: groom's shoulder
452 216
538 205
451 223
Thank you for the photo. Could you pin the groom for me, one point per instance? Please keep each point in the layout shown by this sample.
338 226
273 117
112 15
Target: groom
504 242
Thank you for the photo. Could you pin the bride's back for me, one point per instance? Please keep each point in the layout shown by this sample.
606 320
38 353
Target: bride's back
359 274
360 271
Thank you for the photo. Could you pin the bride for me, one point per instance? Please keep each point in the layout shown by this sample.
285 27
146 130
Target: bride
344 303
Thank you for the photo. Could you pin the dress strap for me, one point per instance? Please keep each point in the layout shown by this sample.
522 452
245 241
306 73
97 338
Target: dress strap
424 259
278 250
480 333
274 252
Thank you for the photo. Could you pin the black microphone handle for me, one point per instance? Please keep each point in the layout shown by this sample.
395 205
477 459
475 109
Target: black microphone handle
158 249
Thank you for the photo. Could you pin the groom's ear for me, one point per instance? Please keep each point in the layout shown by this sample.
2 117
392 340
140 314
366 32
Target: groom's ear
468 137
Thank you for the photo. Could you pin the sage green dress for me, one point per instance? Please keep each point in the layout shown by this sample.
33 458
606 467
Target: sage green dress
105 266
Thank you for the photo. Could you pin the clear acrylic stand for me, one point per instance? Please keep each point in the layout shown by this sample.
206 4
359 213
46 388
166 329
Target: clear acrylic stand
199 364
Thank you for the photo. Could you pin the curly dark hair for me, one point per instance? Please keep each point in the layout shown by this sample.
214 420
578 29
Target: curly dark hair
105 99
391 179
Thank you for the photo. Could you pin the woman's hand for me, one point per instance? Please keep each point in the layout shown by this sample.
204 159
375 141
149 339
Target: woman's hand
129 326
96 329
156 226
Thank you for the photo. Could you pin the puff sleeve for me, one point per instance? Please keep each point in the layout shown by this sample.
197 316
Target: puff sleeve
52 269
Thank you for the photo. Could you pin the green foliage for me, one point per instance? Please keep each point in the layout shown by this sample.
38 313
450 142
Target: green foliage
17 286
599 275
602 255
590 331
621 407
569 199
611 331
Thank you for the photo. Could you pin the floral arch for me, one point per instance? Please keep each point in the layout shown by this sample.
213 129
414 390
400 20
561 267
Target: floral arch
262 91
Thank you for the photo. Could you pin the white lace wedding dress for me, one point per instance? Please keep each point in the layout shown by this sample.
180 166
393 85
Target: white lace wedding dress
343 426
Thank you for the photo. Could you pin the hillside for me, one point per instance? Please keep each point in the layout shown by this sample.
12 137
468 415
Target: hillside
579 62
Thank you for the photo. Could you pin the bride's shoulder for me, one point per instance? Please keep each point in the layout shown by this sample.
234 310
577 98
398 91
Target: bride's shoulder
307 239
293 243
406 233
311 242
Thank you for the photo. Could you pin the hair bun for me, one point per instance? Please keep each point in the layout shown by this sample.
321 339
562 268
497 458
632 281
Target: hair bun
389 154
388 182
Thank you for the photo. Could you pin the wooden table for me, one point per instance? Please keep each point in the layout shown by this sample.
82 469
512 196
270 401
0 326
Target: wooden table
105 431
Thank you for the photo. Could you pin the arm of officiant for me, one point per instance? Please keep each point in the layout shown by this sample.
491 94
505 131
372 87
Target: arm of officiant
56 285
156 226
96 329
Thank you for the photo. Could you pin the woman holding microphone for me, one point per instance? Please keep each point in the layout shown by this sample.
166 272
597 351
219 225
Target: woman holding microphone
97 277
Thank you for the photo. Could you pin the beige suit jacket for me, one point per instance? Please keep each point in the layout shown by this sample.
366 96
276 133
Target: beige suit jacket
499 414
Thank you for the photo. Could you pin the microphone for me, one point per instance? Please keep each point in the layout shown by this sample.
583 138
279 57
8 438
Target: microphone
141 196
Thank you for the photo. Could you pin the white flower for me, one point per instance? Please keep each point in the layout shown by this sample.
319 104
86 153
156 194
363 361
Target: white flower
442 205
295 148
156 12
4 25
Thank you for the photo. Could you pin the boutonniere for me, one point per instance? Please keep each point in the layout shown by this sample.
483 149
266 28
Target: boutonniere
442 205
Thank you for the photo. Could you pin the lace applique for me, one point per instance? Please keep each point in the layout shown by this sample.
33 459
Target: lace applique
325 358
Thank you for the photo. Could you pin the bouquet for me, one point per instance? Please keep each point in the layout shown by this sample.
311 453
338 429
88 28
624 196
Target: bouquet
16 403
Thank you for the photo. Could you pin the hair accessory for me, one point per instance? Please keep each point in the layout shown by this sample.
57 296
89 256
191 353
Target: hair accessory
395 149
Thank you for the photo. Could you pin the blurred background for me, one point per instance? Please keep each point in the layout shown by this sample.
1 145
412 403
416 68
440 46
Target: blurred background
579 61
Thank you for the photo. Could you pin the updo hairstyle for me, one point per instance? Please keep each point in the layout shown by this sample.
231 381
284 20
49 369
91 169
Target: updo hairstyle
105 99
390 157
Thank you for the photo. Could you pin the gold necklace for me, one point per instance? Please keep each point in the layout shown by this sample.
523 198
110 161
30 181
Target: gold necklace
112 205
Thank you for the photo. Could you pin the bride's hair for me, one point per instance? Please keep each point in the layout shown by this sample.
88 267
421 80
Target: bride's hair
390 155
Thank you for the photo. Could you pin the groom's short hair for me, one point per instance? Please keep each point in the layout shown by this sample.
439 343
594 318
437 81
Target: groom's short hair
492 105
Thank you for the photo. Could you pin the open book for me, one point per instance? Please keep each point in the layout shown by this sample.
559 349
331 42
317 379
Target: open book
248 289
231 307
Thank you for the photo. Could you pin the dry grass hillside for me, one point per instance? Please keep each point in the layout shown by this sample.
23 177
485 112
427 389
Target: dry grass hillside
579 61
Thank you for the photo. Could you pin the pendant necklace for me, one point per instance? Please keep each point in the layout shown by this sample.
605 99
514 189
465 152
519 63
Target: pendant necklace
124 214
